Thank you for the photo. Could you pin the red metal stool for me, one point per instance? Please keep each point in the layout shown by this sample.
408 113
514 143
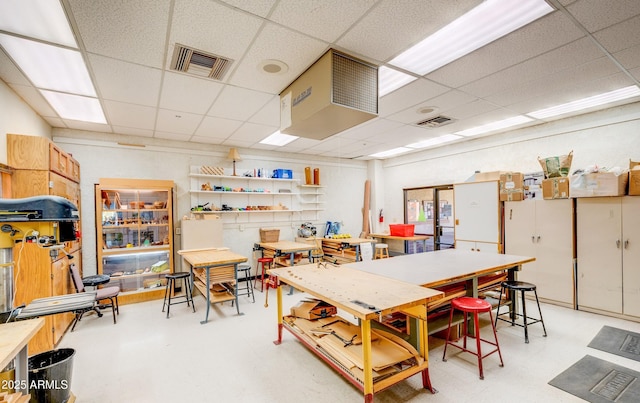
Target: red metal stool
262 261
475 306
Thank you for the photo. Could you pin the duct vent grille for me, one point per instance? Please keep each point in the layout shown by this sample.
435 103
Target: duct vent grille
199 63
355 84
435 122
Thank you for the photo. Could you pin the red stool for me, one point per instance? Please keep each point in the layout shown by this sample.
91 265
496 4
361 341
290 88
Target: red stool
264 261
474 306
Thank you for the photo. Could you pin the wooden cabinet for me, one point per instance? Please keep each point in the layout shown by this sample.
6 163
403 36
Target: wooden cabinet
134 233
544 229
477 216
36 274
608 251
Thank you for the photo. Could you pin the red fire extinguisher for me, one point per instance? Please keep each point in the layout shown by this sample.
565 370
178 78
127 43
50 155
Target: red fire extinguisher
380 216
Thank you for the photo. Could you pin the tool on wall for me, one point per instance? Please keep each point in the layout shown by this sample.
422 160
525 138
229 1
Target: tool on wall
365 210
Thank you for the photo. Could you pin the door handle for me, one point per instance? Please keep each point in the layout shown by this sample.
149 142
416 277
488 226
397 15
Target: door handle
538 240
618 244
533 239
626 244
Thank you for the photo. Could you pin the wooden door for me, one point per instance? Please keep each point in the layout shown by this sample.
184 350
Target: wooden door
631 255
477 212
599 245
554 250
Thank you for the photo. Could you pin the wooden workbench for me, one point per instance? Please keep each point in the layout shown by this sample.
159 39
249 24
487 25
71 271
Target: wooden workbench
368 297
339 246
414 238
283 248
14 338
224 264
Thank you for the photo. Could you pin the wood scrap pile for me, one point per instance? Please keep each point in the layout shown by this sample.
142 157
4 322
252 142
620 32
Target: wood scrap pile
341 341
6 397
223 274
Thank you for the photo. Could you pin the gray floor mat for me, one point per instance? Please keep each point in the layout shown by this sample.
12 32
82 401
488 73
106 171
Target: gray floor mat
617 341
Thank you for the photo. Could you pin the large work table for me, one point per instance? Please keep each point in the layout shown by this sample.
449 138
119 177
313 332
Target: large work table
224 264
14 338
367 297
284 248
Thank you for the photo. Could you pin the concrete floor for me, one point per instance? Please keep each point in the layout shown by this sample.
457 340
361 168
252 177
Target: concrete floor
148 358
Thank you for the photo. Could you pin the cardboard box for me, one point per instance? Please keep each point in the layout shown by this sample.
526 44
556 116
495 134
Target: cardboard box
313 309
555 188
488 176
598 184
533 185
634 182
511 186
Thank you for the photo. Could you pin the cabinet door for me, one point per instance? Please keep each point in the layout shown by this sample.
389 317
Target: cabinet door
487 247
477 212
631 255
554 250
61 285
519 236
599 226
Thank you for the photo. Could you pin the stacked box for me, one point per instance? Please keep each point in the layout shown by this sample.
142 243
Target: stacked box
511 186
598 184
634 182
555 188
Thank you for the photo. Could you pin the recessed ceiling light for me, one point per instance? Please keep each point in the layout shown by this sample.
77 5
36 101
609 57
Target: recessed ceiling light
278 139
434 141
489 127
392 79
272 66
390 153
426 110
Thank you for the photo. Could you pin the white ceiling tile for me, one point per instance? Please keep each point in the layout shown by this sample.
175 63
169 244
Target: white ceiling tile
473 108
34 98
133 131
300 144
332 144
54 122
269 114
93 127
127 30
320 17
621 36
213 28
171 136
238 103
595 15
261 8
181 92
409 95
629 58
392 27
252 132
177 122
636 73
128 115
439 103
9 72
126 82
370 128
219 128
297 51
543 35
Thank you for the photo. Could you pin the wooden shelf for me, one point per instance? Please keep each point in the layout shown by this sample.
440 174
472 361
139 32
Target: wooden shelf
249 178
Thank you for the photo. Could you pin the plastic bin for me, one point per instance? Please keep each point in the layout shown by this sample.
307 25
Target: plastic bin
401 229
50 376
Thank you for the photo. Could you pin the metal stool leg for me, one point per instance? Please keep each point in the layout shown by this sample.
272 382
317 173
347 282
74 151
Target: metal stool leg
540 312
476 324
170 289
524 317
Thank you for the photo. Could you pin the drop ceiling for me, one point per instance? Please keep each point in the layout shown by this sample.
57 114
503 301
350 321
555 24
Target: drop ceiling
583 48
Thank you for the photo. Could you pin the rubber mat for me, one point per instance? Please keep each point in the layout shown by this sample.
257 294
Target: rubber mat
617 341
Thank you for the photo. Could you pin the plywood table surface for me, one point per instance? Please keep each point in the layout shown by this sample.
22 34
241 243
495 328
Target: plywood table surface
14 338
286 246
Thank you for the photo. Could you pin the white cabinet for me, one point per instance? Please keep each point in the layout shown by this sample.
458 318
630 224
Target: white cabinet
608 247
477 216
543 229
311 202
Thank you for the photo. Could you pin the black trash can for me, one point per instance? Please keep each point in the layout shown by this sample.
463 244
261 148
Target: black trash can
50 376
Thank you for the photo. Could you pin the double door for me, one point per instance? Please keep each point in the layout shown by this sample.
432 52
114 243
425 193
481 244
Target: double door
608 245
543 229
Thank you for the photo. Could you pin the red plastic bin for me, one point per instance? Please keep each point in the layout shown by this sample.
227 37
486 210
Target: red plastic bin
401 229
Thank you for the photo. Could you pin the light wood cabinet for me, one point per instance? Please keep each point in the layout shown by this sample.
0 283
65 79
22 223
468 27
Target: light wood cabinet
608 251
477 216
544 229
134 235
36 172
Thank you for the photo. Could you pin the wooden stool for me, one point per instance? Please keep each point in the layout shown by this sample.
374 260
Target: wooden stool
522 287
382 251
475 306
264 261
171 282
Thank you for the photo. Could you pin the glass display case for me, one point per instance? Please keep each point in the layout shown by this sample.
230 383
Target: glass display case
134 222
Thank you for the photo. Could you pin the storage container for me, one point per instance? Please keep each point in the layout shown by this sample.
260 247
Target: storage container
401 229
269 234
283 173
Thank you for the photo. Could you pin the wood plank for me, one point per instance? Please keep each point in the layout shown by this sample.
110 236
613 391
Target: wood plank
14 336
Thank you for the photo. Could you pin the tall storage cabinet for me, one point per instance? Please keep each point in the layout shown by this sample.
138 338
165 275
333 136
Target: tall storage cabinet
477 216
43 168
544 229
608 245
134 225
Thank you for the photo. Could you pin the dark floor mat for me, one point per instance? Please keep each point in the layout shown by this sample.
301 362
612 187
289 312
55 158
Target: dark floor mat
599 381
617 341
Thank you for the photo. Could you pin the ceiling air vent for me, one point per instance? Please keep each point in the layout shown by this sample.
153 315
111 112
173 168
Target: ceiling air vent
199 63
435 122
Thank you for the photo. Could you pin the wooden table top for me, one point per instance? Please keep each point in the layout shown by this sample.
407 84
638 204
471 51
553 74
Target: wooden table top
211 257
349 241
432 269
403 238
341 286
14 336
286 246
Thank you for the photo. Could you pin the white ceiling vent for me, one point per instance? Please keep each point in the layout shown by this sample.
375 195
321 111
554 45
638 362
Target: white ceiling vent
199 63
435 122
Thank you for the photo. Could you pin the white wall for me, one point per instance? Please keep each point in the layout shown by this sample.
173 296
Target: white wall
343 182
607 138
16 117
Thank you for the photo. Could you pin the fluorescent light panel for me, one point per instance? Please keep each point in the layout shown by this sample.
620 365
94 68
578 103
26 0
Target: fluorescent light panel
490 20
40 19
278 139
434 141
391 80
585 103
493 126
50 67
75 107
391 153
